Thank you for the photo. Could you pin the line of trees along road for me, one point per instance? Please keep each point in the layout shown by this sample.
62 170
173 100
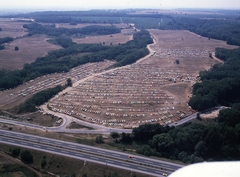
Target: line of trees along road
64 59
192 142
37 99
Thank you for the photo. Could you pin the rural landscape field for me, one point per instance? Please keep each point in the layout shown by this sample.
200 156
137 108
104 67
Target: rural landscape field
155 83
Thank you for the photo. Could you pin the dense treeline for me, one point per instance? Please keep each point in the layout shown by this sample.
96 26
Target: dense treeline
37 99
51 30
64 59
191 143
222 29
62 41
92 16
221 84
4 40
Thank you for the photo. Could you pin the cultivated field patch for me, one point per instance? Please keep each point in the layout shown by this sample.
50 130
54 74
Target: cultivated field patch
30 48
11 28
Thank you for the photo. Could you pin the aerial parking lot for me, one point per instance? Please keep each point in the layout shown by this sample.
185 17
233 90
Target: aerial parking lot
156 89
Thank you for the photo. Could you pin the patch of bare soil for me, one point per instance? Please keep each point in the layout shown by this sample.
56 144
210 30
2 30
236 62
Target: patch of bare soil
30 48
209 115
11 28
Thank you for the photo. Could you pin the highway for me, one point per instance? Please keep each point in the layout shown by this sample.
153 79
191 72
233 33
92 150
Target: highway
88 153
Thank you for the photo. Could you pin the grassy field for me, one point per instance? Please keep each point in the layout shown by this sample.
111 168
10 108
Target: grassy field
56 166
30 48
36 46
11 28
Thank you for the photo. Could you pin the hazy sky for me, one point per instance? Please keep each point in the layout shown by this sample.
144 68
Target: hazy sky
117 4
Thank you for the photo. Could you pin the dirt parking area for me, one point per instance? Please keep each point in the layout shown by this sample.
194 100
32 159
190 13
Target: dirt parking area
13 97
155 89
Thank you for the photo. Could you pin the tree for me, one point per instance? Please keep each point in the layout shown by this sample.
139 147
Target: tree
69 82
16 152
126 138
43 163
99 139
177 62
84 175
210 55
26 157
16 48
115 135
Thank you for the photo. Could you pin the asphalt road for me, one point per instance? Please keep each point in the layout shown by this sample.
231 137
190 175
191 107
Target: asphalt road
62 128
180 122
88 153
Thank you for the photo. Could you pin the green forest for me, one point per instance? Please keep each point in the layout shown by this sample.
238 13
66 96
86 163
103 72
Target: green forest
51 30
221 84
3 41
192 142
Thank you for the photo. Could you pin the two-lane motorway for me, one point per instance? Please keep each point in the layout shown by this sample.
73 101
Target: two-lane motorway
88 153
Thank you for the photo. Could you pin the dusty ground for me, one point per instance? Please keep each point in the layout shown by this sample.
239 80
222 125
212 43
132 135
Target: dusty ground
11 28
30 48
209 114
192 52
13 97
155 89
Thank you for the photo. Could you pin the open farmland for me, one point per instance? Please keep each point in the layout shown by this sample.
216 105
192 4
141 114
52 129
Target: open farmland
30 48
11 28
